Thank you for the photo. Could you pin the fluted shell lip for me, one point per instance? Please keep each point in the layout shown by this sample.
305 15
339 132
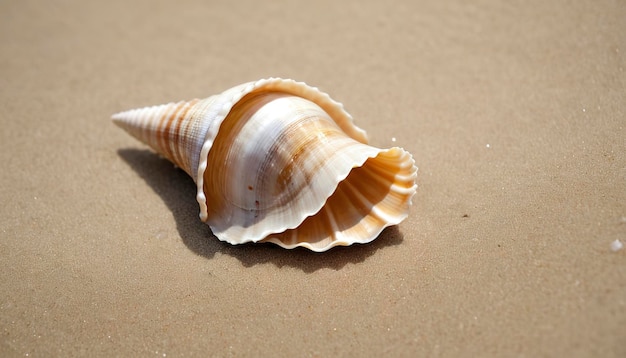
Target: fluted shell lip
225 101
389 213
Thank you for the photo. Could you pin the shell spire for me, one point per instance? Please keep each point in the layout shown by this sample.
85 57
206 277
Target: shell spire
174 130
279 161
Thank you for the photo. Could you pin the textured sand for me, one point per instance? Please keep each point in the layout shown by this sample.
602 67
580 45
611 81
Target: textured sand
515 113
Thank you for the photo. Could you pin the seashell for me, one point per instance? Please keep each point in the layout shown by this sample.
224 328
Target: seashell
279 161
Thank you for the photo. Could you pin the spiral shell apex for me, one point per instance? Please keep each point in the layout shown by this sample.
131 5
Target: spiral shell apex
279 161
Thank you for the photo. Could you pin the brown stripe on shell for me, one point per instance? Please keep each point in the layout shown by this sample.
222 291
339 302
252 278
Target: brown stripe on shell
178 137
160 134
186 133
302 153
164 131
168 136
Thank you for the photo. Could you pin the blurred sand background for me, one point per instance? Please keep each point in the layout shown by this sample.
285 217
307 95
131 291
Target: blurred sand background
514 112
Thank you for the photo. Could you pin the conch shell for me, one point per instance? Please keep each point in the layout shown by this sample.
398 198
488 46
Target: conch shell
279 161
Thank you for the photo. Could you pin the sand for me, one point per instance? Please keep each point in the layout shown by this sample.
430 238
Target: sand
514 112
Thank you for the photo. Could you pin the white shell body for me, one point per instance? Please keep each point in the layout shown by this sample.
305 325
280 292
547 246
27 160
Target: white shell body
279 161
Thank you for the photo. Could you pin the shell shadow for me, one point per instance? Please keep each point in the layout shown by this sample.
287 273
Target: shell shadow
178 191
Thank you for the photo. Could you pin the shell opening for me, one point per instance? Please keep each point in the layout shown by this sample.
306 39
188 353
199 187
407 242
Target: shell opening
371 198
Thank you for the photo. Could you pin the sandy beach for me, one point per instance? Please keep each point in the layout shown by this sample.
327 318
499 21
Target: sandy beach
515 113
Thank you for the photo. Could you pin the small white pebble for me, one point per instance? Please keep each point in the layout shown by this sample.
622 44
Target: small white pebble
616 245
584 110
488 145
393 139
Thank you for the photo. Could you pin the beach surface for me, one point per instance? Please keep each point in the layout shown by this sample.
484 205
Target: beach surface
515 113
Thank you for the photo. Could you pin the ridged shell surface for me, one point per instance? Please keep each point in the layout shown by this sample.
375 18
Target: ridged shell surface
279 161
